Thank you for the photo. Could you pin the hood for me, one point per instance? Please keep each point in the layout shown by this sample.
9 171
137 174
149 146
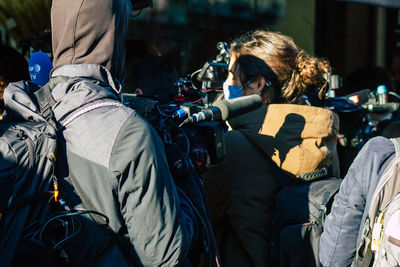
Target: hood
97 83
299 139
90 32
69 95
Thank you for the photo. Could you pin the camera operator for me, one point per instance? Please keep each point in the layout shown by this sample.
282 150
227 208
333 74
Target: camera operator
113 158
13 67
286 132
155 77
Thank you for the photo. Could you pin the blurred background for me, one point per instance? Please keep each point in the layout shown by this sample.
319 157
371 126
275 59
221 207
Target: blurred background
350 34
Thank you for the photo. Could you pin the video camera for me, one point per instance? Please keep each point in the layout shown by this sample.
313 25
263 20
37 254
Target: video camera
190 125
192 121
213 73
215 70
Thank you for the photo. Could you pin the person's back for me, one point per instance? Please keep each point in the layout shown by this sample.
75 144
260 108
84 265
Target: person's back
112 157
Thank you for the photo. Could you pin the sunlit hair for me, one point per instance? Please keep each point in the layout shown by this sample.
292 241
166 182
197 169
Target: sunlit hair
295 70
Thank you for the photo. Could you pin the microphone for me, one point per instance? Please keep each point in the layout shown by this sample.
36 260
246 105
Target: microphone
39 68
186 109
223 110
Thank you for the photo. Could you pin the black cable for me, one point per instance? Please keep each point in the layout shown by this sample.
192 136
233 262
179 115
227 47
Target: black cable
68 222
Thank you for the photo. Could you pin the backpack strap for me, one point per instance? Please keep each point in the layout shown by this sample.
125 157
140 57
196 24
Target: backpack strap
45 98
327 197
396 143
46 101
366 261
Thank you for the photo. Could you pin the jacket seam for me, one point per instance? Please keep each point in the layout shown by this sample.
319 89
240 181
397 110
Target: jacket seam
115 143
75 27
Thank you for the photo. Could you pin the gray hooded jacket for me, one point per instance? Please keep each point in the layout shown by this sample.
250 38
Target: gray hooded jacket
116 157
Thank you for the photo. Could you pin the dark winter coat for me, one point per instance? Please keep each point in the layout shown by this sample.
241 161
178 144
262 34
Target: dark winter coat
241 190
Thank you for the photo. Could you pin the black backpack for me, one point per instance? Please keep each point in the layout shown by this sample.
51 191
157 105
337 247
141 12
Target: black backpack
27 183
298 217
37 227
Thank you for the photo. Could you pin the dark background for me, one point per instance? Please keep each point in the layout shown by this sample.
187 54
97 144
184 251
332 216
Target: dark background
350 35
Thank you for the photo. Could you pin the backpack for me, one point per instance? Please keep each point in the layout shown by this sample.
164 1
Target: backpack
37 226
298 218
380 242
27 183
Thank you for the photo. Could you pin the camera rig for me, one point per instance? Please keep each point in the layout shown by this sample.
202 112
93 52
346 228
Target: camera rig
213 74
166 119
169 119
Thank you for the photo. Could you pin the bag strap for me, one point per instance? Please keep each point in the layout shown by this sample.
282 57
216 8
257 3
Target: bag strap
45 98
46 101
396 143
326 198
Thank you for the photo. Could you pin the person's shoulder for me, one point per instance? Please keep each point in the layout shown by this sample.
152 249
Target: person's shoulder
134 117
136 125
375 152
379 144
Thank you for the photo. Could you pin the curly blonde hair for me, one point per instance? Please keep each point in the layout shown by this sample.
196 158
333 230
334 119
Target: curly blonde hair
295 70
